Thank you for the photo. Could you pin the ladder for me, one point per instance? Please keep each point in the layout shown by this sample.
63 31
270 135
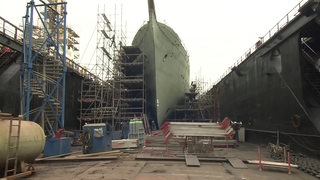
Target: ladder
13 146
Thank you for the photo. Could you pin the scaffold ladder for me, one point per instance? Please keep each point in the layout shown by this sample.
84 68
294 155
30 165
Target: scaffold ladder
13 146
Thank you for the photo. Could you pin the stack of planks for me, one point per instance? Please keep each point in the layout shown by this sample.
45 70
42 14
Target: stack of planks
195 129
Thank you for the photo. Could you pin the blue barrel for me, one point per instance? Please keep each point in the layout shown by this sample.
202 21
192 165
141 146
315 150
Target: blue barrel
96 138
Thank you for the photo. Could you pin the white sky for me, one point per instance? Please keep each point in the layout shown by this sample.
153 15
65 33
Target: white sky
215 32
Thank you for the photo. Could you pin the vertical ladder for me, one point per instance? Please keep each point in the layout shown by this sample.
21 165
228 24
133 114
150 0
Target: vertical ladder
13 146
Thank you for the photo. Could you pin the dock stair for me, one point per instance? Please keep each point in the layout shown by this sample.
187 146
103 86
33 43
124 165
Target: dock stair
44 86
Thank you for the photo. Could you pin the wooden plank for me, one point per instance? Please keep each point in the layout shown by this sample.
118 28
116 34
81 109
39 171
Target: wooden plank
197 124
175 158
161 158
16 176
272 163
83 158
60 155
100 153
155 149
199 131
237 163
192 161
5 115
124 143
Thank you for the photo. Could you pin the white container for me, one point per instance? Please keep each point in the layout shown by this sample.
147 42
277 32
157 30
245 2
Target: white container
31 144
242 133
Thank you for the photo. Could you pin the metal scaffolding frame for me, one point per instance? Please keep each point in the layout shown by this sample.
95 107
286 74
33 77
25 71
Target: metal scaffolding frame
96 90
130 93
116 93
216 102
43 73
197 107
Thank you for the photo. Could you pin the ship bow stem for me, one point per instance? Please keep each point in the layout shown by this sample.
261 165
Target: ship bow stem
152 11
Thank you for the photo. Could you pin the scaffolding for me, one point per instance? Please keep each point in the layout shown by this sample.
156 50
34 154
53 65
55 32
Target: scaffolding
197 106
115 93
216 103
129 99
44 69
97 89
72 46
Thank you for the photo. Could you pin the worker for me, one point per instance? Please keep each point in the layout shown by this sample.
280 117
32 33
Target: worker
153 125
236 126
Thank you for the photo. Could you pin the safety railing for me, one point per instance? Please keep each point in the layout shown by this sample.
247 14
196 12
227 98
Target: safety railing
15 33
10 30
276 28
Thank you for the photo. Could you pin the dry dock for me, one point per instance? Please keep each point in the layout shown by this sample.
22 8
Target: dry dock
127 167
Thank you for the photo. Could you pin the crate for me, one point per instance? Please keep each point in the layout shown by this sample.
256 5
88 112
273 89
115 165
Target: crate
57 146
98 138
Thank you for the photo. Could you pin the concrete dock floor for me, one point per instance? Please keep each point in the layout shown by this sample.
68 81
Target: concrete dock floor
127 168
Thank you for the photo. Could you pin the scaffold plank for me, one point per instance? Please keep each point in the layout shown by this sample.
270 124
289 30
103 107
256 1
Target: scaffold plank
192 161
237 163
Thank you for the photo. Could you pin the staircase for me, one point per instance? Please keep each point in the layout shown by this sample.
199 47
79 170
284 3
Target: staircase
312 77
312 67
53 69
45 85
310 54
45 66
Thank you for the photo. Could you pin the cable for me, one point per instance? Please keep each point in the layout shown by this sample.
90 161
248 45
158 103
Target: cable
85 50
303 145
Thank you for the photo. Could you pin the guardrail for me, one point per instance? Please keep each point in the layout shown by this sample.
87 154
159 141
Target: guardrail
10 30
15 33
276 28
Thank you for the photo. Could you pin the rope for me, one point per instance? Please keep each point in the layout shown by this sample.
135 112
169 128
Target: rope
295 97
85 50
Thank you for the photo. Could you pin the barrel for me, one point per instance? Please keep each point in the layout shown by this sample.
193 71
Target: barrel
31 144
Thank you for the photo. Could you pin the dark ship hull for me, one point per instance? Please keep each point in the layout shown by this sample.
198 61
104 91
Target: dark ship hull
10 93
276 87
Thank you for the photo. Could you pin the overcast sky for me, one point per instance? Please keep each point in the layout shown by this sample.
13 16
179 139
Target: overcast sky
215 32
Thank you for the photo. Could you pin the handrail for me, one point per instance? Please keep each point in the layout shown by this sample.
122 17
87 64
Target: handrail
15 33
10 30
275 29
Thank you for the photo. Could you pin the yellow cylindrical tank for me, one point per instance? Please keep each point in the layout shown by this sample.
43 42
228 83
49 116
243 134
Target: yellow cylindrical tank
31 144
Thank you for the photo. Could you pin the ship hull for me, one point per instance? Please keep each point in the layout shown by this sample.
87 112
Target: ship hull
166 69
276 87
10 94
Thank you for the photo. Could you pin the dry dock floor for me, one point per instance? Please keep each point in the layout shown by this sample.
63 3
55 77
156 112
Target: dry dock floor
127 168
